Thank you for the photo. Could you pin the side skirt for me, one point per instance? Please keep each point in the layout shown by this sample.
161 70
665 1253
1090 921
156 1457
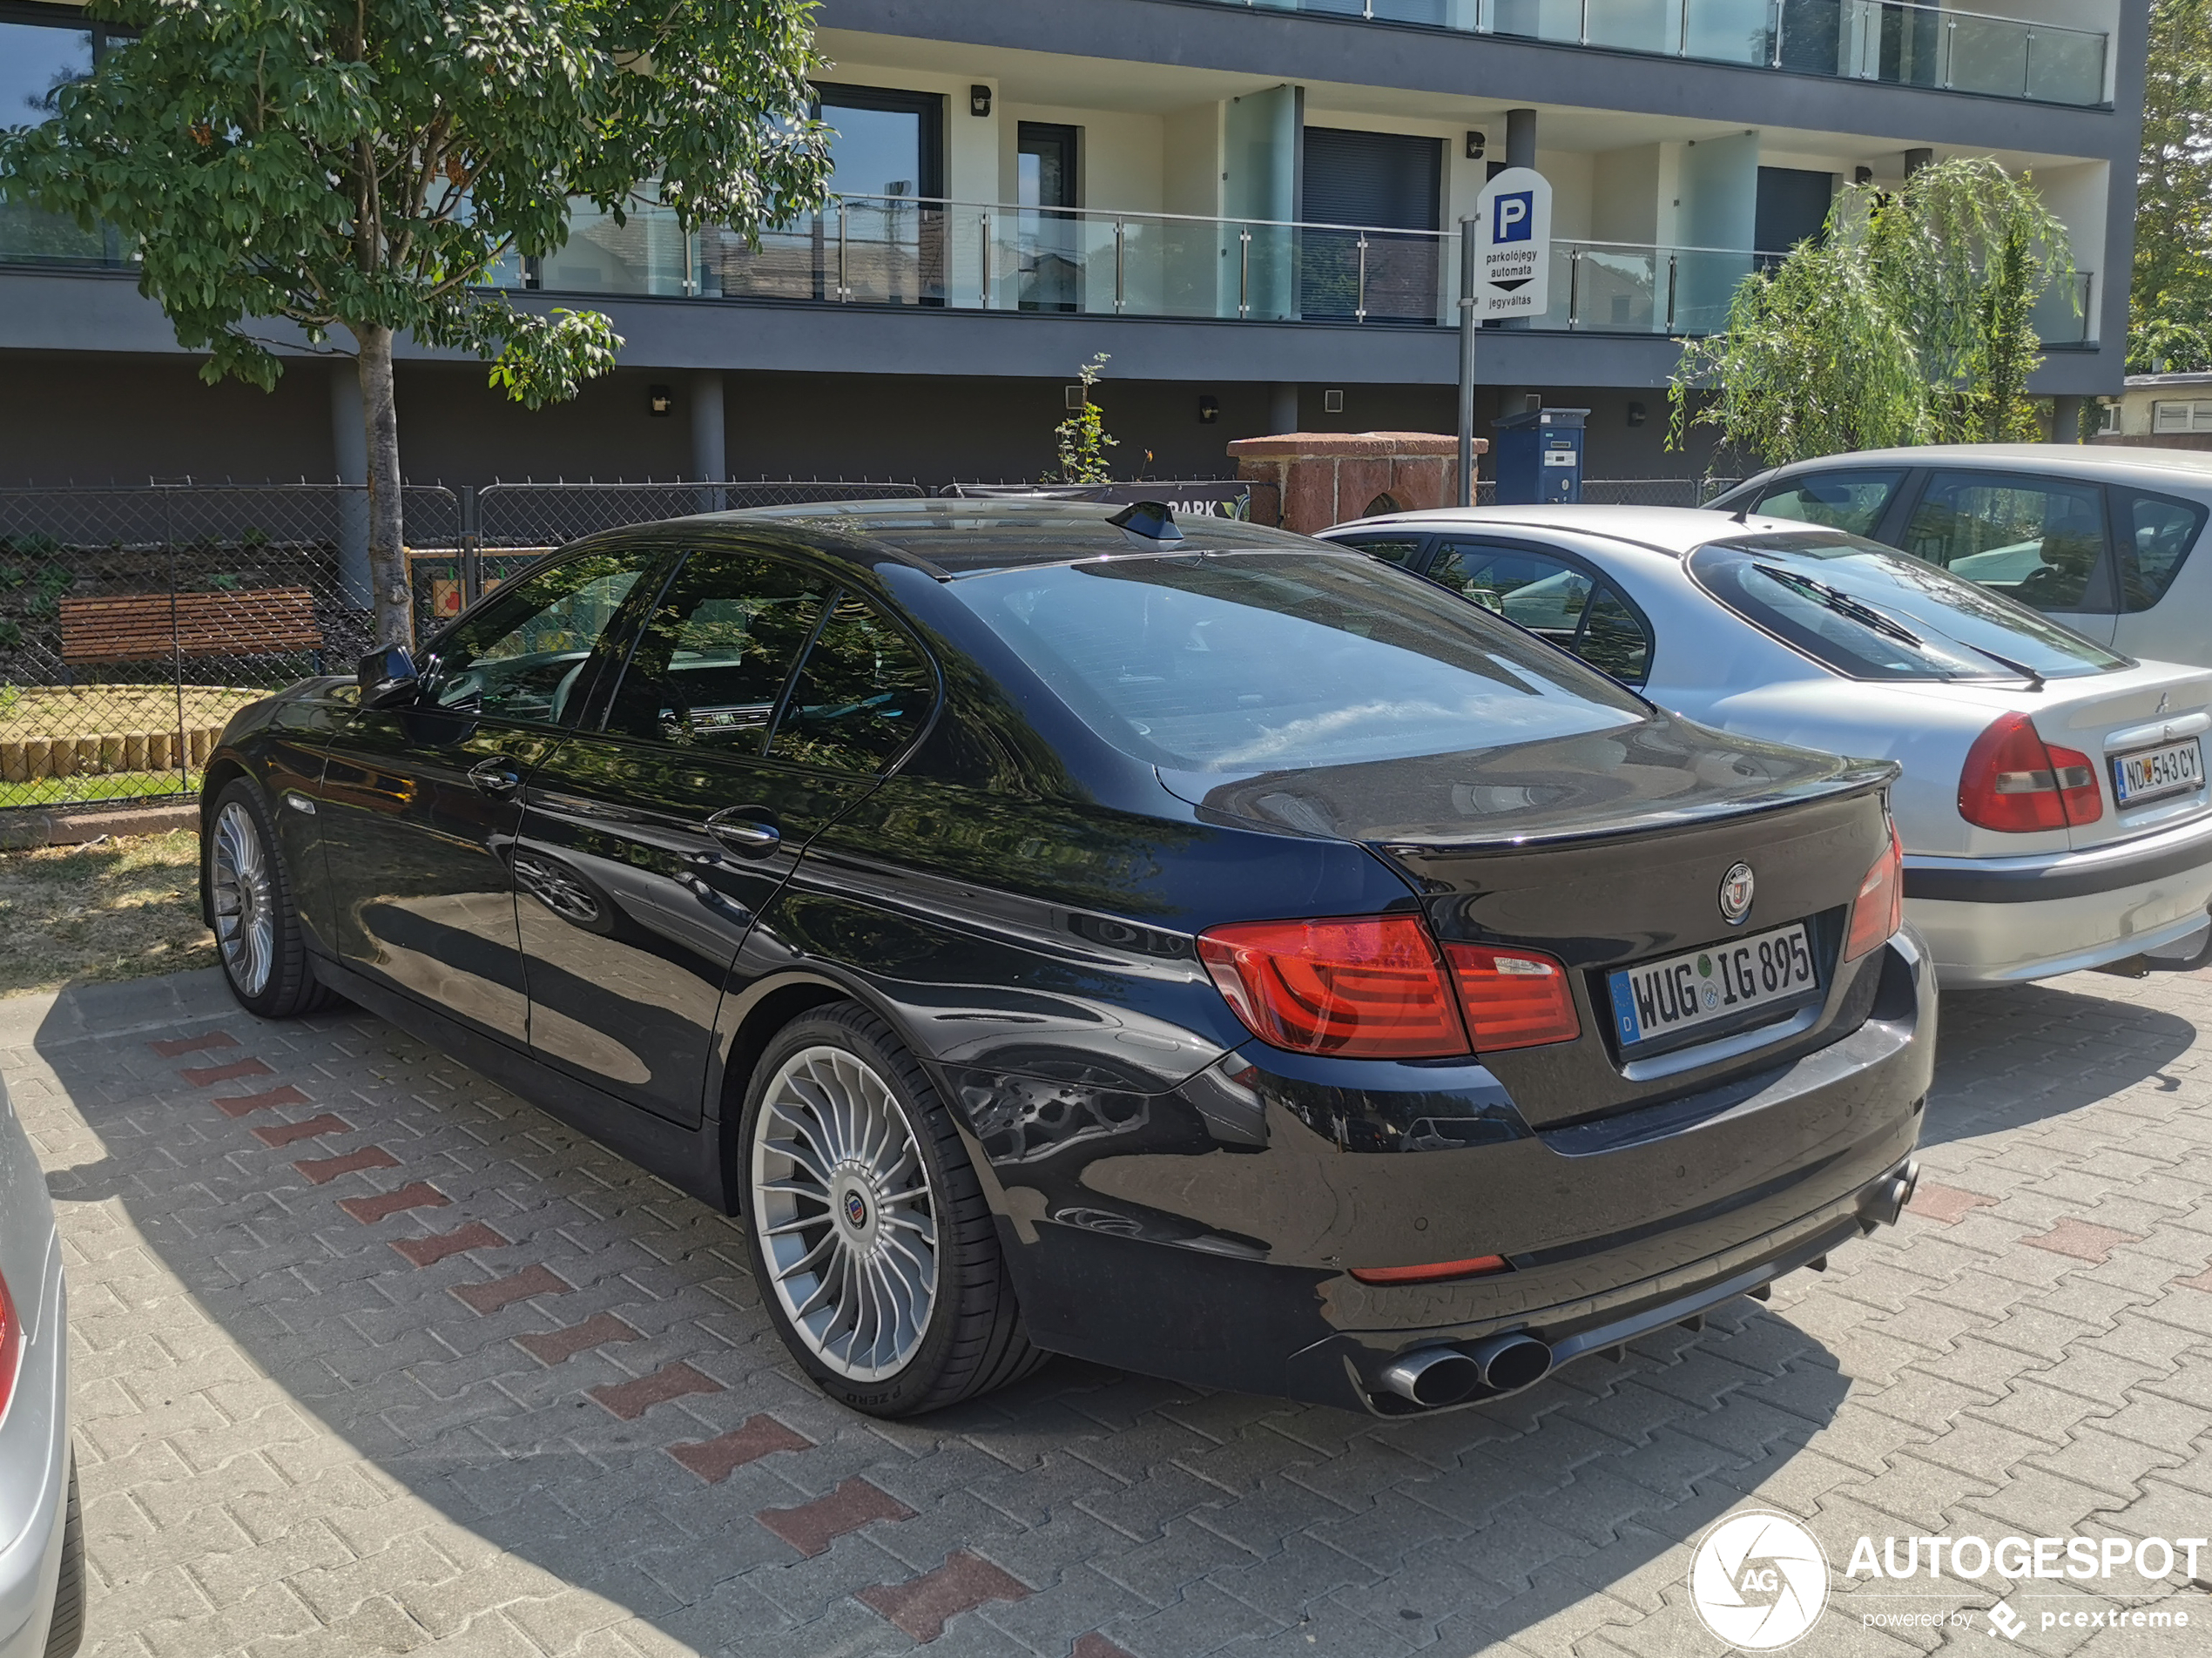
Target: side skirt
689 1159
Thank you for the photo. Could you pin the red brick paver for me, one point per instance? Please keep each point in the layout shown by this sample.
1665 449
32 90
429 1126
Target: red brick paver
1944 1204
2083 1240
812 1527
414 1195
286 1134
962 1583
535 1280
714 1460
321 1172
208 1076
630 1401
283 1095
1094 1645
175 1047
428 1251
558 1346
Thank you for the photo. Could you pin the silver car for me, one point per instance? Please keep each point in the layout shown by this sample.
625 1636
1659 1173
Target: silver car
2103 537
2055 809
42 1540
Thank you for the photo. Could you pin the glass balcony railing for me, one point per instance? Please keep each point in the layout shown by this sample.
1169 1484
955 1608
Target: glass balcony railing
904 251
1900 41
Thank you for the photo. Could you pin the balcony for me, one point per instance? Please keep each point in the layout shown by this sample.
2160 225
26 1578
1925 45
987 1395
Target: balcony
907 251
1892 41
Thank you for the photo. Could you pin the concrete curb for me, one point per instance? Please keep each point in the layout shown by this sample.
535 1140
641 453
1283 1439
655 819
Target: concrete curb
21 829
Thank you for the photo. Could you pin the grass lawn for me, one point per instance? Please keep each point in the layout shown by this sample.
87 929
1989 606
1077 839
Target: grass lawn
118 909
122 786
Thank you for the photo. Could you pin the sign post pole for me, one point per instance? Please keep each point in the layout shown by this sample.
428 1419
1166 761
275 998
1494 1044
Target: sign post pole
1469 321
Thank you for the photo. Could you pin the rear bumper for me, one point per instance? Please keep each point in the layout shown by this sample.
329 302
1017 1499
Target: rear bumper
34 1431
1613 1228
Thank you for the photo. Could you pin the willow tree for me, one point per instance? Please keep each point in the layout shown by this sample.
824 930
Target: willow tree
366 167
1909 320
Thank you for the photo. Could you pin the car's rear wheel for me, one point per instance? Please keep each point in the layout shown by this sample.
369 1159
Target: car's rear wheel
871 1239
258 936
66 1633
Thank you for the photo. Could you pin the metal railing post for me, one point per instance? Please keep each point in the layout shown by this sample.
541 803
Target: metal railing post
2027 66
1950 52
1243 271
1573 287
1121 266
844 287
1682 40
1582 33
1781 13
984 222
1359 304
1674 261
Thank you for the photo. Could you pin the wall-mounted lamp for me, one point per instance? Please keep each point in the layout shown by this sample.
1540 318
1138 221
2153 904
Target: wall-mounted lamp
978 99
1477 142
1861 175
660 403
1333 402
1073 397
1637 414
1209 410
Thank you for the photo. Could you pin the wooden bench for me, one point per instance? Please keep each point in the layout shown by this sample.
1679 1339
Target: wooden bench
154 627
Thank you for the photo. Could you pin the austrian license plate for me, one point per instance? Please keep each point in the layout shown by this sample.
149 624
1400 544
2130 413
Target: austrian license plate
2145 775
1704 986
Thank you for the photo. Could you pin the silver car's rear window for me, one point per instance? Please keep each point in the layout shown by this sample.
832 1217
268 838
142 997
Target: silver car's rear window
1261 662
1871 612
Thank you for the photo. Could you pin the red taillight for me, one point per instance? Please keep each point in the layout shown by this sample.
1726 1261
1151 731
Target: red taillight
10 1346
1433 1273
2016 783
1513 998
1878 910
1371 988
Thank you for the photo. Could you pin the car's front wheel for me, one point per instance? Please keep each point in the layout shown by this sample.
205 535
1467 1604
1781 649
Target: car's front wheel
871 1239
258 936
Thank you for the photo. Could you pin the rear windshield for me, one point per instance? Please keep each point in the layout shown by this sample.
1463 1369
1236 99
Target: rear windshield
1263 662
1871 612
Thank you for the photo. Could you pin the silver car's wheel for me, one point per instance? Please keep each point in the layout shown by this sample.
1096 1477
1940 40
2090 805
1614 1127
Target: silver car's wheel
245 900
844 1212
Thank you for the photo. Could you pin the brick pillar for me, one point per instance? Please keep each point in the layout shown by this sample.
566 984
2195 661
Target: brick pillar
1324 478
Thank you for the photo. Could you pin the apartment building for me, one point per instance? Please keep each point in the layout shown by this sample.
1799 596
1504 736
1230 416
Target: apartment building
1249 205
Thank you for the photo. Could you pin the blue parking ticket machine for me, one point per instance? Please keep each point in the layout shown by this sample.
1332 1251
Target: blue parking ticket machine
1539 457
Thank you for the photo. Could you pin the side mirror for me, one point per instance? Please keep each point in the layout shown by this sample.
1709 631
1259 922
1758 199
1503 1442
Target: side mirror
387 676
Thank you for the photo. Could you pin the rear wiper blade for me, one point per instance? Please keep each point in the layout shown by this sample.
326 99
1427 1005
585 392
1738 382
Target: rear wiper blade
1844 604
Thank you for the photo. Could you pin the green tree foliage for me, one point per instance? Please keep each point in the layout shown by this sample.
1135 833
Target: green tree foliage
1081 438
365 166
2170 302
1909 321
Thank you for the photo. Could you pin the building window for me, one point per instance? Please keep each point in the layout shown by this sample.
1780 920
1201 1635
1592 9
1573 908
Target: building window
2193 416
888 143
36 60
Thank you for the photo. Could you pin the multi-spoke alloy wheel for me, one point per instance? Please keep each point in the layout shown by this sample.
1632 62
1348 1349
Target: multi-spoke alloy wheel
245 900
874 1247
845 1213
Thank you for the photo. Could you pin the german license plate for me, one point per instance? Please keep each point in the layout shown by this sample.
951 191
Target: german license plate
1703 987
2150 772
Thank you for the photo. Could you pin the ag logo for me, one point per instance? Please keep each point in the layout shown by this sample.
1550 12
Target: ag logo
1736 888
1758 1581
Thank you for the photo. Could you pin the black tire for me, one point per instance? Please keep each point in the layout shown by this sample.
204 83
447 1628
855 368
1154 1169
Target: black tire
287 985
66 1633
972 1341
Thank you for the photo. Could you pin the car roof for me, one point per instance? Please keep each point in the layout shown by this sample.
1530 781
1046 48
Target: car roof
954 538
1668 529
2100 460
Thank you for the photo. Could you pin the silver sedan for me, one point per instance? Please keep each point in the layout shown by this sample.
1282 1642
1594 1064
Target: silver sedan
2053 808
42 1541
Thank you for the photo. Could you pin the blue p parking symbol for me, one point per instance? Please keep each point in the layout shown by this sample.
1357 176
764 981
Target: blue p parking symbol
1513 217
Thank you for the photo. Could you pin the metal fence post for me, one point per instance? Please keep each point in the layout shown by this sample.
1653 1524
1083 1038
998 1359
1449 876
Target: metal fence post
472 560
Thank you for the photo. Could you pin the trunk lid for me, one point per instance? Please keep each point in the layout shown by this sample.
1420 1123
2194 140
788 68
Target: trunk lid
2146 710
1608 850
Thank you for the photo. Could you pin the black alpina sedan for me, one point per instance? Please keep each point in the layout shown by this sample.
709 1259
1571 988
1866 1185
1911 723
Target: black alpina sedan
1195 948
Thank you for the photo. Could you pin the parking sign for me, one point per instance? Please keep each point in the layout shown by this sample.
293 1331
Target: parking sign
1514 245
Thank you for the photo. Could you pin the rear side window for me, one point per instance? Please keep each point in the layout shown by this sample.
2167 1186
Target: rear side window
2036 540
1392 550
862 696
1869 612
2156 533
712 659
1848 500
1261 662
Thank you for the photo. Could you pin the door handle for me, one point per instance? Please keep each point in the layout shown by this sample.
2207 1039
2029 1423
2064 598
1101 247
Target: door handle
496 776
747 836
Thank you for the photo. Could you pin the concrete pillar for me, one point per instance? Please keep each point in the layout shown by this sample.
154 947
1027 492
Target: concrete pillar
1521 152
2066 419
349 464
710 460
1282 407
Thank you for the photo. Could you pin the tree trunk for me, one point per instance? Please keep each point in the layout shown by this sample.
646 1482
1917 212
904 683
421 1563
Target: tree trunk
387 551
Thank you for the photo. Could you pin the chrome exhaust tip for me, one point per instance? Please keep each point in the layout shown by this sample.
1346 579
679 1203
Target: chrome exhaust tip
1886 1203
1433 1377
1511 1363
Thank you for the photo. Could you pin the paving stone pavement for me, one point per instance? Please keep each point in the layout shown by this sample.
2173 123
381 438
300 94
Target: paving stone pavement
373 1358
